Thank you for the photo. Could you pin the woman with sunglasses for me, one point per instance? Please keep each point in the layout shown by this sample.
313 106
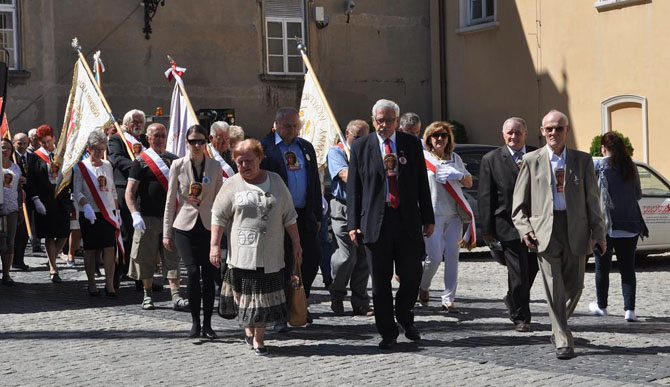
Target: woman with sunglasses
194 182
445 178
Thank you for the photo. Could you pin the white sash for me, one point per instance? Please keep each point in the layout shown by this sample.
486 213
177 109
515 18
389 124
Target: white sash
157 165
227 170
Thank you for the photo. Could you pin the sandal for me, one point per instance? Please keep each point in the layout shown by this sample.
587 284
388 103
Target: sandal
450 307
181 305
147 304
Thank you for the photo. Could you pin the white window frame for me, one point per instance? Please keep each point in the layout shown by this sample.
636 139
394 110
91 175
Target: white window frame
483 19
607 4
14 64
285 39
468 25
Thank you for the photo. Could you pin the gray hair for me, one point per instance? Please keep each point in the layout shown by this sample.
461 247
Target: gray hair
236 133
285 111
564 118
357 124
517 120
32 133
385 104
97 137
129 116
219 127
408 119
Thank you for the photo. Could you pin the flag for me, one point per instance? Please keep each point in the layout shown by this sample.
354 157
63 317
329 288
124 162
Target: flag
4 128
182 115
98 68
85 112
317 125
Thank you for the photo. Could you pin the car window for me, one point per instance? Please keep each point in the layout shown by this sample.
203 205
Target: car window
652 185
473 160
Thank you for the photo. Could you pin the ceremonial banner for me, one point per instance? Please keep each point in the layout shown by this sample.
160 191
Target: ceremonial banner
182 115
85 112
4 128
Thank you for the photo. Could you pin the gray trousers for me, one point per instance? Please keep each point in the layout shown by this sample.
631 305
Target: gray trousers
348 262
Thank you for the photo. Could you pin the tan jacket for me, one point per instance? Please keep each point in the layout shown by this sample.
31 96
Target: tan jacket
184 217
533 201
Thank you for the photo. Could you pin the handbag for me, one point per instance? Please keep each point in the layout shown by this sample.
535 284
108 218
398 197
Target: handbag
297 301
228 308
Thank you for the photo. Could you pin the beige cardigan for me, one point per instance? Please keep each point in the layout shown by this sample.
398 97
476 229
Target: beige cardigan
254 222
184 217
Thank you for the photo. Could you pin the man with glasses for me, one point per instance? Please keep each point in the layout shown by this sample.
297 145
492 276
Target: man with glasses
348 261
144 180
497 176
294 159
556 210
389 212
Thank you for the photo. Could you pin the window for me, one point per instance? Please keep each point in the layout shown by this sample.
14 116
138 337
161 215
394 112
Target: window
607 4
481 11
651 184
8 38
284 26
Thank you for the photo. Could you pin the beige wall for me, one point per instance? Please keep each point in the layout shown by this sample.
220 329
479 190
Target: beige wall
572 59
382 52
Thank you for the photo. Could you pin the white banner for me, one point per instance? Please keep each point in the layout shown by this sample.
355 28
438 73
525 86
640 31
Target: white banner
180 120
85 112
317 127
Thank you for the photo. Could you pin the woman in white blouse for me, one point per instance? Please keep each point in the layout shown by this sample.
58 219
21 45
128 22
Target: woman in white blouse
11 189
93 190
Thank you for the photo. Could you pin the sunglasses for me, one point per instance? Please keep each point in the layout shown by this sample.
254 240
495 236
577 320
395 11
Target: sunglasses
440 135
557 129
196 141
381 121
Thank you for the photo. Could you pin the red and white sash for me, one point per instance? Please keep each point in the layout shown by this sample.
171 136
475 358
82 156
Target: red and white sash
470 237
227 170
157 166
41 152
104 206
44 155
132 141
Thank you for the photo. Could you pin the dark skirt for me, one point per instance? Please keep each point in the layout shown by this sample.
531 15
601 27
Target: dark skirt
98 235
259 297
55 224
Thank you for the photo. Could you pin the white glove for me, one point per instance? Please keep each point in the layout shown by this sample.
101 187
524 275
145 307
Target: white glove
39 207
117 214
89 213
138 222
445 172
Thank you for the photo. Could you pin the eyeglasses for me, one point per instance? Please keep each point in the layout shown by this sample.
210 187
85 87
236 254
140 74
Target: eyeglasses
158 135
550 129
100 149
440 135
196 141
381 121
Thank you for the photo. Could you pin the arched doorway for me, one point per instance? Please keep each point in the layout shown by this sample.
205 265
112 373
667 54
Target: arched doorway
627 108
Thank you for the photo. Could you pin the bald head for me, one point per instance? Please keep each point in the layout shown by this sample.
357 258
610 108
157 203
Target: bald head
157 137
21 142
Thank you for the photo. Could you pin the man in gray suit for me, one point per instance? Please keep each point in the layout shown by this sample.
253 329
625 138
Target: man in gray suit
556 209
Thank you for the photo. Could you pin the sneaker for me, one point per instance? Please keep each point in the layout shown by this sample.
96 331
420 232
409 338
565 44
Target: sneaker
148 304
261 351
595 309
70 263
630 316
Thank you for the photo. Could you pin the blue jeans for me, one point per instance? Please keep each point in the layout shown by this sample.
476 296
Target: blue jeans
625 254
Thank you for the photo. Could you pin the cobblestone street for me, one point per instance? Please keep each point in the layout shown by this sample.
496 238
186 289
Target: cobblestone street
55 334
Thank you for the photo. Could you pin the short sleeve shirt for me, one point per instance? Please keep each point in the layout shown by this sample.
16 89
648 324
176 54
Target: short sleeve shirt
151 193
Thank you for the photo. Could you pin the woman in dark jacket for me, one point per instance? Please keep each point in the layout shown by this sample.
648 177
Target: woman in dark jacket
620 190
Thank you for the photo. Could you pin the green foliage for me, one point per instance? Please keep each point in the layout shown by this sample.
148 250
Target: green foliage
595 145
460 135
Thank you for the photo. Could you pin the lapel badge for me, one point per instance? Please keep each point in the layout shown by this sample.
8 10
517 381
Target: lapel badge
307 157
206 180
402 160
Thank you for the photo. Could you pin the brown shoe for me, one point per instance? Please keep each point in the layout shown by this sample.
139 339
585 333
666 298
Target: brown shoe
522 326
363 311
424 297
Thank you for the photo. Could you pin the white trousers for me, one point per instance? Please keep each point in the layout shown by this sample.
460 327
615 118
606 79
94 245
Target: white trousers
443 244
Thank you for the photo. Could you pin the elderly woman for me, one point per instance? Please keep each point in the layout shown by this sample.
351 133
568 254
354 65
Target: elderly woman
194 182
94 192
254 208
236 134
444 243
12 195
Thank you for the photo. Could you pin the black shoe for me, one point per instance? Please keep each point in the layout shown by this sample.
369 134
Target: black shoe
7 281
565 353
21 266
337 307
208 333
522 326
412 333
387 343
281 328
363 311
110 294
195 330
310 319
55 278
261 351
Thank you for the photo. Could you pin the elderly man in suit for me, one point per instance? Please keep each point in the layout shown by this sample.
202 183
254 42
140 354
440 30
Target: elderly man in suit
556 209
387 207
497 176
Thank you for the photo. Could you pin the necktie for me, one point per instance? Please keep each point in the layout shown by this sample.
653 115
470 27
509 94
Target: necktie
394 196
518 157
51 157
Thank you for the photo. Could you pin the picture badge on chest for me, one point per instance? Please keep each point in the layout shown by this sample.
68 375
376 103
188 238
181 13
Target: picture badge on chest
195 192
102 183
8 179
390 164
292 162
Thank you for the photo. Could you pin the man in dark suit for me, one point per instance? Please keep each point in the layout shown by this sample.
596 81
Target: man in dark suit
23 159
388 203
294 159
497 176
119 156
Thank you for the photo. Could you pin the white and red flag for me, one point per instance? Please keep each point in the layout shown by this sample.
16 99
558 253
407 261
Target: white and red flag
182 115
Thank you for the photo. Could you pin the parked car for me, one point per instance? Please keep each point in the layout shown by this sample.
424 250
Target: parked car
655 202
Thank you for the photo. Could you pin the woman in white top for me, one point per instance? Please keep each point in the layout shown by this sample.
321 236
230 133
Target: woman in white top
93 190
11 189
445 241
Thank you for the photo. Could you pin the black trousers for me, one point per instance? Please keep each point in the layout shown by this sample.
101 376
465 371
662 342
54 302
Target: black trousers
127 231
311 251
394 247
625 256
193 246
20 240
522 268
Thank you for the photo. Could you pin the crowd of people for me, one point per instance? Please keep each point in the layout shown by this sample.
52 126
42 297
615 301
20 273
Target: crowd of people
244 216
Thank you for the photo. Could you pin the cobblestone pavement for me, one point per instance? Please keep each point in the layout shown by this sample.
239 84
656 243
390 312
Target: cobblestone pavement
55 334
